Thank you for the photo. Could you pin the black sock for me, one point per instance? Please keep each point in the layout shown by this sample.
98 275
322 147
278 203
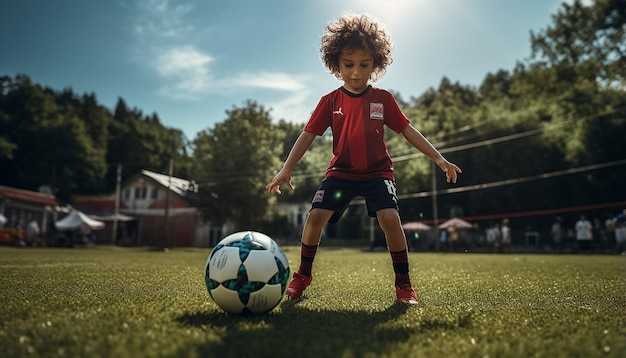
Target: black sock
400 260
307 255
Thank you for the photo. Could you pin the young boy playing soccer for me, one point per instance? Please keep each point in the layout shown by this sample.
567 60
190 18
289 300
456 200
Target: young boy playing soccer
357 50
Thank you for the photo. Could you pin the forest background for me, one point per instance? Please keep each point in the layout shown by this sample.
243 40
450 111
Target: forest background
548 136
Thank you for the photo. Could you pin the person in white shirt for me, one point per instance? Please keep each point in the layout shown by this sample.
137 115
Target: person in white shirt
505 231
584 234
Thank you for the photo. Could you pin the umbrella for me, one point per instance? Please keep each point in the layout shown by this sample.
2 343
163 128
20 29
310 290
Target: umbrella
415 226
456 223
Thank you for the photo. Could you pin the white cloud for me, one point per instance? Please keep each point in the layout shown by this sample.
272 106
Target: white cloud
269 80
183 61
165 38
161 19
291 103
292 108
185 71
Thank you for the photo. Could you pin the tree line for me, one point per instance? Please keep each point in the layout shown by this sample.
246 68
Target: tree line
563 108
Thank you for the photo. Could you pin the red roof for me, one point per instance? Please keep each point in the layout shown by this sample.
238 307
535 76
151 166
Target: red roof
27 196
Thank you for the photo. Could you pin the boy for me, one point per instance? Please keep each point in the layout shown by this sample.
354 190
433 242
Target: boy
356 50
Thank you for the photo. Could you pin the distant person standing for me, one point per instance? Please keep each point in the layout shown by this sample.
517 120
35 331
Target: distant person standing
620 233
505 231
584 234
492 234
453 238
443 240
32 233
557 235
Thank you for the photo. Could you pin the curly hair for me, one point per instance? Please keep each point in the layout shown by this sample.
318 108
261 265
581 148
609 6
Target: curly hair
356 32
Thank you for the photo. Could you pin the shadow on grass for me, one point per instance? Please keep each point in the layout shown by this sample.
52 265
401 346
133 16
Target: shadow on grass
302 332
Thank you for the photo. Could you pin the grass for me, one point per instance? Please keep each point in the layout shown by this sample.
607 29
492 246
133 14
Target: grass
115 302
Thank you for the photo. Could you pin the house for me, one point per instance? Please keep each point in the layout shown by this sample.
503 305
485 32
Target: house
23 207
162 209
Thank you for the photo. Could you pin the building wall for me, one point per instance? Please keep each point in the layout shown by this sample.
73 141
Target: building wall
182 226
20 207
146 200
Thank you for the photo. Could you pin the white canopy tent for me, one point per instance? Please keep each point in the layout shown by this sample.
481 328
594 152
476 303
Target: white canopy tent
77 220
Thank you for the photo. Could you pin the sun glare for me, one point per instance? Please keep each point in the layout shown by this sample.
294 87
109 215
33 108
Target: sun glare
392 12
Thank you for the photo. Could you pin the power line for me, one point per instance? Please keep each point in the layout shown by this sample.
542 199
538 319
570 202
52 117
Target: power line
580 208
426 194
445 150
482 143
473 145
515 180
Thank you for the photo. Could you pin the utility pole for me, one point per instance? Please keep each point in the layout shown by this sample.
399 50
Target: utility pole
116 211
434 196
168 242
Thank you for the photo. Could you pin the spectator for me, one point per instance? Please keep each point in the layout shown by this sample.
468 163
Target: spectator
18 236
443 240
453 238
492 236
620 233
584 234
32 233
506 236
557 236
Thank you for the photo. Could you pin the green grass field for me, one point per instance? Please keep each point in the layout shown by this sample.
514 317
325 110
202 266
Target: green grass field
115 302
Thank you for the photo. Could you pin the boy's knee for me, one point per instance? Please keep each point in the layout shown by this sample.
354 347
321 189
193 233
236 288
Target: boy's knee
387 217
319 217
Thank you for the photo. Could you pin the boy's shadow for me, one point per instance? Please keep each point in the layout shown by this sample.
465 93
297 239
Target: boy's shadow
299 331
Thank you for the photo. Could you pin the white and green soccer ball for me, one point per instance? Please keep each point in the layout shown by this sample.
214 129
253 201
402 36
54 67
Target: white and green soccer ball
247 273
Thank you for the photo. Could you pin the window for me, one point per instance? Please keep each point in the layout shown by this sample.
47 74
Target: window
154 193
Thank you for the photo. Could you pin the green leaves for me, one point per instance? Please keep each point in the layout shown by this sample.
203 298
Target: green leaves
234 161
586 36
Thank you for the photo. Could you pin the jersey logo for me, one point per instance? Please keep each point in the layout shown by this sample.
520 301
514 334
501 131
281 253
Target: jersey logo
339 112
376 111
319 196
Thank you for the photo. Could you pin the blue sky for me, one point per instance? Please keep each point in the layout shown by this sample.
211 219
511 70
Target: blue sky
191 60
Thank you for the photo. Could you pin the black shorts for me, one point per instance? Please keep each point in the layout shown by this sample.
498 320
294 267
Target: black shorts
336 194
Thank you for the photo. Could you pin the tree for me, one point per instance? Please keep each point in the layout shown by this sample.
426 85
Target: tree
236 159
142 142
310 169
68 142
587 37
50 143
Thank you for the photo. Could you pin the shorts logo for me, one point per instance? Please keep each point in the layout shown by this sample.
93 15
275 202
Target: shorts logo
319 196
391 189
376 111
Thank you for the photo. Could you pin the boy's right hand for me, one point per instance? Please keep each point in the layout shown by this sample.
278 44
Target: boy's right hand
283 177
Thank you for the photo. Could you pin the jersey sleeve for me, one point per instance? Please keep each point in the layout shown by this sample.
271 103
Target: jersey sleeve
394 117
321 118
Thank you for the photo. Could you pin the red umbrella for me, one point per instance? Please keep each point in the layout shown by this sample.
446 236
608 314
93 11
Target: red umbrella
456 223
415 226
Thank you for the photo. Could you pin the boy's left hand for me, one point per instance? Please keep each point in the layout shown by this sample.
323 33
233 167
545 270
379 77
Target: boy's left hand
450 169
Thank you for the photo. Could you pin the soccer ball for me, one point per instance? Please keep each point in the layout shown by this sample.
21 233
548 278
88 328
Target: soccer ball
247 273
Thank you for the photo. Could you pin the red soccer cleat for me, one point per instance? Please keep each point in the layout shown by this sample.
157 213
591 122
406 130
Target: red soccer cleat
297 285
405 294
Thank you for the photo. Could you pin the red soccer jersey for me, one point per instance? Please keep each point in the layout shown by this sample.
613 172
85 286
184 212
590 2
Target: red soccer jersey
356 122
